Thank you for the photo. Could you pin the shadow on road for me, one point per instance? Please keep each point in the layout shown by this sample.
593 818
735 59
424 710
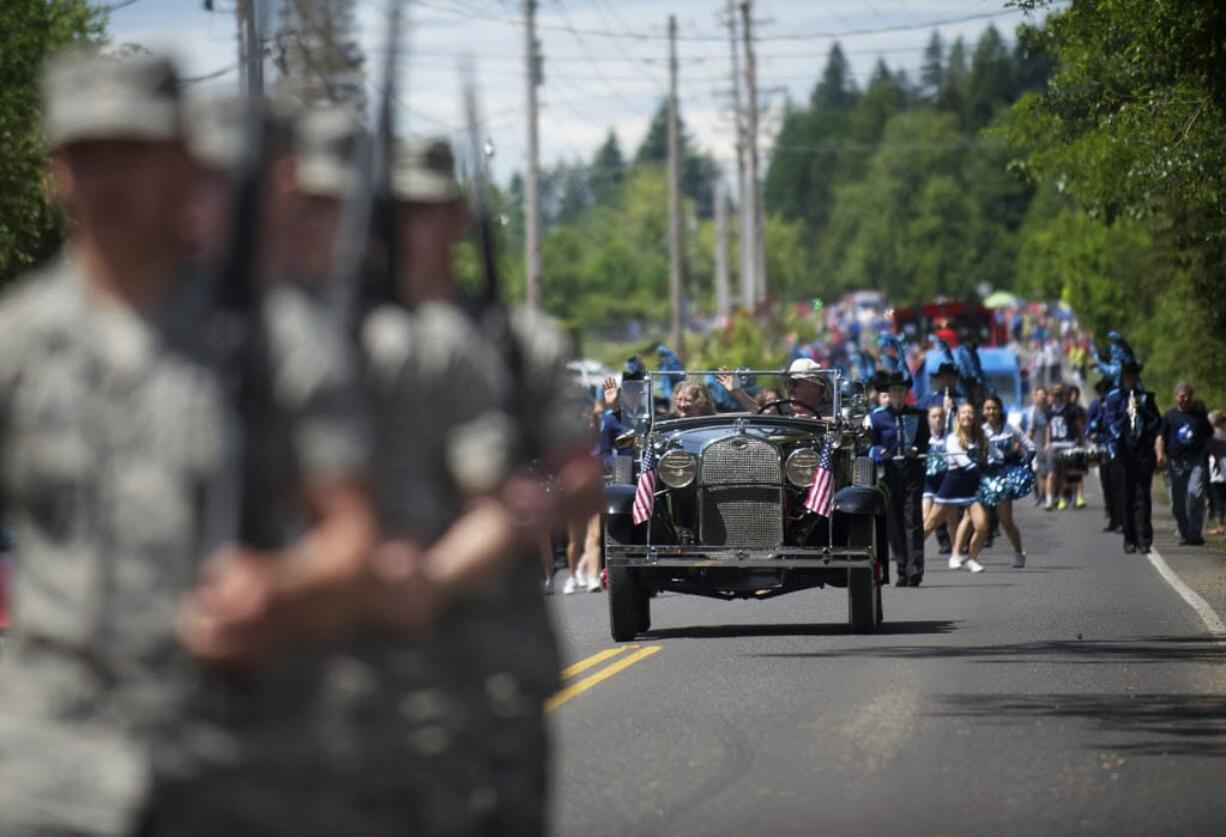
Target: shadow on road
937 626
1141 724
1166 650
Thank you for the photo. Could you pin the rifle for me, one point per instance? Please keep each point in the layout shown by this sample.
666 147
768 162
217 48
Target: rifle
245 341
494 316
371 206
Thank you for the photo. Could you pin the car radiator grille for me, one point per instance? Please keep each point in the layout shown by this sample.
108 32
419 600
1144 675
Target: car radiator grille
742 498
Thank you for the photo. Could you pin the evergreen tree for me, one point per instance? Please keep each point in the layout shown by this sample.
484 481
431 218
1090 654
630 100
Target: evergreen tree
991 83
837 89
932 72
654 147
319 59
951 98
698 170
882 99
608 170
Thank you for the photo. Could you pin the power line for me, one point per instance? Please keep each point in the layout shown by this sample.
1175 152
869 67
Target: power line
472 11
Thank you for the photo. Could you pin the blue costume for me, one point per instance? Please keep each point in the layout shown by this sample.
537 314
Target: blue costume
1131 439
899 436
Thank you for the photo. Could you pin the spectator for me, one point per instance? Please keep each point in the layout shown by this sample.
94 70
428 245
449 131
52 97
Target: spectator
1183 445
1034 422
1217 474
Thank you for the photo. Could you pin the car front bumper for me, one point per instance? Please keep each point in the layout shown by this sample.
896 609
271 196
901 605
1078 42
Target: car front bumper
706 557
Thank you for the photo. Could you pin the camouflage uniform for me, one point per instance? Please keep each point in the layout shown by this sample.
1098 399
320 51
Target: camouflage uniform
118 471
460 746
116 468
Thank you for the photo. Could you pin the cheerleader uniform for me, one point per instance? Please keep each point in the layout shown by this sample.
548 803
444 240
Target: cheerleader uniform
935 469
1007 475
960 485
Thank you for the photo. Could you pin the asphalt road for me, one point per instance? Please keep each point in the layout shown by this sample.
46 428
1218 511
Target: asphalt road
1080 695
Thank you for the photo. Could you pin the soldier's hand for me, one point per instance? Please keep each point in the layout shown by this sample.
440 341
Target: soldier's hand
533 507
405 597
231 620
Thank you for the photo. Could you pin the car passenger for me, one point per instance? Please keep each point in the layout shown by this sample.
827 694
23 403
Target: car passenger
692 399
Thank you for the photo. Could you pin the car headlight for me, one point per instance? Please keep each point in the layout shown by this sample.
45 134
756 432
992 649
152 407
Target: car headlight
677 468
799 467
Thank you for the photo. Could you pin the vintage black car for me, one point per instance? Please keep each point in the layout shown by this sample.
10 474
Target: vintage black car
728 518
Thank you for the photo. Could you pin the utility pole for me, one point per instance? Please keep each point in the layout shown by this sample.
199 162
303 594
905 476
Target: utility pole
754 193
722 301
532 189
250 48
745 225
675 280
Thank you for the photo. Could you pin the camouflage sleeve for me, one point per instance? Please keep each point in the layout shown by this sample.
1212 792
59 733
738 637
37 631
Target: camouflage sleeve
316 387
558 406
480 439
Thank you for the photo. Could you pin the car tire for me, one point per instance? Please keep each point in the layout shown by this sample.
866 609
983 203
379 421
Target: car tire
862 601
626 604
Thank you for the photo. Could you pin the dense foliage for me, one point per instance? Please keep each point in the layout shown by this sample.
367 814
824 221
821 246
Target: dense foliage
1129 142
29 31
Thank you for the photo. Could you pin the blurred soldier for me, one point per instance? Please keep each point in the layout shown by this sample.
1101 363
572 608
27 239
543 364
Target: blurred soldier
114 466
459 745
251 754
119 471
325 142
899 438
1132 424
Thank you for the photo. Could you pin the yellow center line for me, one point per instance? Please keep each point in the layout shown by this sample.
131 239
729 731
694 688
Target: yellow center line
604 674
583 665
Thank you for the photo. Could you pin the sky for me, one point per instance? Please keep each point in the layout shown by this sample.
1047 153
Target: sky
605 61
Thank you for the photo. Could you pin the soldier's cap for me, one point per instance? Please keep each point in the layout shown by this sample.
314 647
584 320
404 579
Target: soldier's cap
946 368
216 128
1132 365
806 369
424 172
325 142
90 96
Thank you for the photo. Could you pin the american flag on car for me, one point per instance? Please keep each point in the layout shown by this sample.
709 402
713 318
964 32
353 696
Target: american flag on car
820 499
645 492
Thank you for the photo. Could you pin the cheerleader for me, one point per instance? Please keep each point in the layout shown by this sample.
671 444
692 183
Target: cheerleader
1007 475
935 469
965 453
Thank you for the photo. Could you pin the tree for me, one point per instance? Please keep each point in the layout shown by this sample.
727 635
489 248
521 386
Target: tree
608 170
932 71
31 30
1132 127
991 84
952 96
698 171
319 59
837 89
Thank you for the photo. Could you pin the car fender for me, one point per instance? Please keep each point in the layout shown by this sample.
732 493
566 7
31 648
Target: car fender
860 499
618 499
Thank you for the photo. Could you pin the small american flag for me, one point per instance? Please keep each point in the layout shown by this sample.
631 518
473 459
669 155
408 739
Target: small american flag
645 492
820 498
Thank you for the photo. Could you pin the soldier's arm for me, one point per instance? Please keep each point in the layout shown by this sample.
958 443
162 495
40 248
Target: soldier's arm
251 605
